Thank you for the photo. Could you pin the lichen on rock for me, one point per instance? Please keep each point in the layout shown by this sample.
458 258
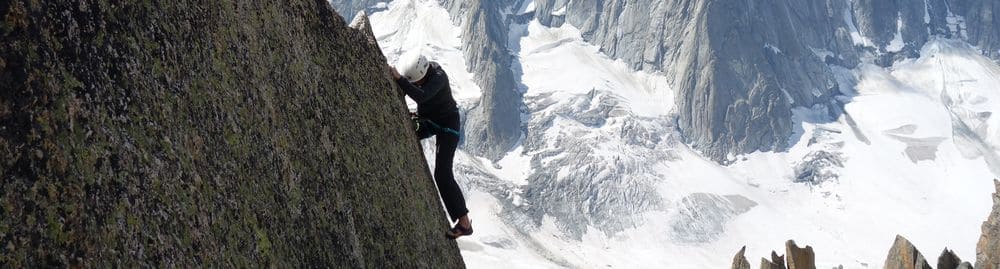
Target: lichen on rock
206 133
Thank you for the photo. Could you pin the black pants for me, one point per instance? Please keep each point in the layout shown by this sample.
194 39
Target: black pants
446 129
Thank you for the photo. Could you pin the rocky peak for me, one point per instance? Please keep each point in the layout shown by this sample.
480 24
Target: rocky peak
799 258
948 260
776 262
740 260
903 255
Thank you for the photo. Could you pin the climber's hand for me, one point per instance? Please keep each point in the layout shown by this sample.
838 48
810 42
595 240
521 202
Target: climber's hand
395 73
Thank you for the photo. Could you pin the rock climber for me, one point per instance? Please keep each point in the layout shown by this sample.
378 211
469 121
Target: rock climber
437 114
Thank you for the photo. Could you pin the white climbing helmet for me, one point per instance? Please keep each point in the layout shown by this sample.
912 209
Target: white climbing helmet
414 67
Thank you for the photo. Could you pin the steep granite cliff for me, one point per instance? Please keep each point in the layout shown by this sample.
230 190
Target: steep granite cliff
206 133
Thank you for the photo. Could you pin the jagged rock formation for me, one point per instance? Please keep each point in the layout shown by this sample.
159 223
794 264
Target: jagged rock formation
903 255
948 260
898 29
776 262
981 18
210 133
799 258
988 248
740 260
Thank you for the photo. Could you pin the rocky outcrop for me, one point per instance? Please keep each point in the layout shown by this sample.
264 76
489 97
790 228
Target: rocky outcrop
948 260
988 248
208 133
903 255
776 262
979 24
898 29
740 260
799 258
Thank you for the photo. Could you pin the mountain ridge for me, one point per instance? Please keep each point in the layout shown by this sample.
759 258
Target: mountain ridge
738 68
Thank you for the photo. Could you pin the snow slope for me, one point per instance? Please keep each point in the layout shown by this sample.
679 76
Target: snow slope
600 179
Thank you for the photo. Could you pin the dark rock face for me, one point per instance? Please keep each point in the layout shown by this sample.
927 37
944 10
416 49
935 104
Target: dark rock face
799 258
948 260
982 24
215 133
988 248
871 20
903 255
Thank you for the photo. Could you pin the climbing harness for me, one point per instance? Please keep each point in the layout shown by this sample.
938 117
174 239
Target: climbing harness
434 127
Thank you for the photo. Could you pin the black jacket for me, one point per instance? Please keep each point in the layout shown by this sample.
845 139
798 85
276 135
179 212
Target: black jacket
434 100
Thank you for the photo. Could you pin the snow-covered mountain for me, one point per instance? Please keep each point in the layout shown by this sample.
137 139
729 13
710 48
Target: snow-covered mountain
601 173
